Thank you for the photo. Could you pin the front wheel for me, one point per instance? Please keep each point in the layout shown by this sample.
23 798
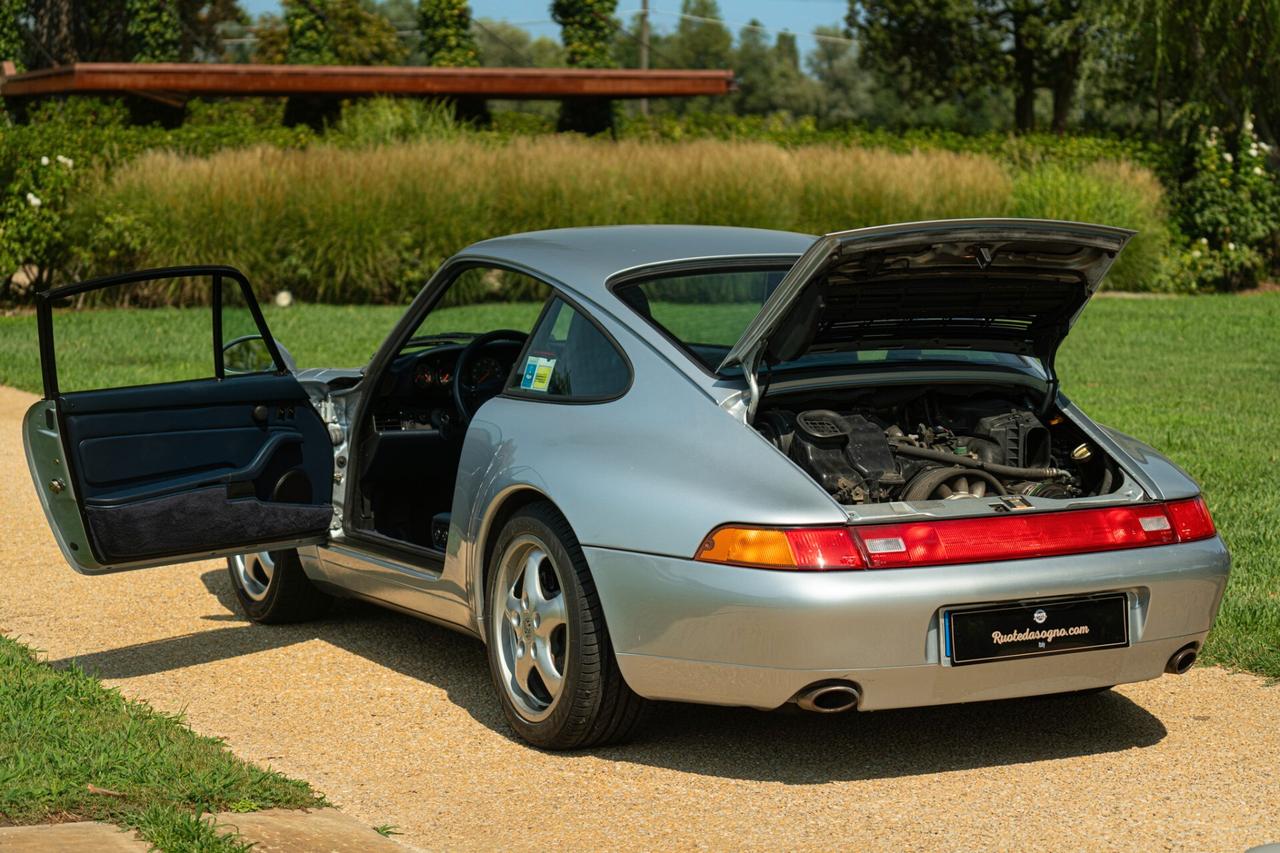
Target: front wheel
272 588
549 651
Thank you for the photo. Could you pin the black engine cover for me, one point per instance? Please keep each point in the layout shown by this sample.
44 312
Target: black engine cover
1024 440
848 455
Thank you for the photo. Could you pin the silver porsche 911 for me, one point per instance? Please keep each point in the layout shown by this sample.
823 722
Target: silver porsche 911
699 464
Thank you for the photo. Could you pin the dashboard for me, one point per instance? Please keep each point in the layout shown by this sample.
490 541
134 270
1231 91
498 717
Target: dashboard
432 373
417 390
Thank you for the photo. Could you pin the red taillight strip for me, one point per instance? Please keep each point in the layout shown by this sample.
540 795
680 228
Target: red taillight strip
1012 536
1044 534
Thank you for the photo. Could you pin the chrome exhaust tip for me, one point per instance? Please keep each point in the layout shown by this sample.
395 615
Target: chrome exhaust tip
829 698
1182 661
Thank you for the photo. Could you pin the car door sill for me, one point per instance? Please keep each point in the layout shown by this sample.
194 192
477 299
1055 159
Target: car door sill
408 559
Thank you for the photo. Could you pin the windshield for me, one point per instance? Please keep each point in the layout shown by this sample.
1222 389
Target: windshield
706 313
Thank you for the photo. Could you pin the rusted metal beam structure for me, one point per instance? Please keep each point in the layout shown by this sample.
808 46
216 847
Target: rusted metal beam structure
176 81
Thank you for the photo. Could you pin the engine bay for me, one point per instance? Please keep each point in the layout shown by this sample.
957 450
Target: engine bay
919 443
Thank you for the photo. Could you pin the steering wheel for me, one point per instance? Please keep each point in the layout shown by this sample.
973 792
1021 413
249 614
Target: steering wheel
464 393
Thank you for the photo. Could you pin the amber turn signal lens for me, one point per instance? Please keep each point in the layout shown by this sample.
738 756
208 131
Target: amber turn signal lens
748 546
804 548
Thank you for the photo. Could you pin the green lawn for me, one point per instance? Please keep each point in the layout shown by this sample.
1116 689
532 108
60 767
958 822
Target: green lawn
61 731
1199 378
1196 376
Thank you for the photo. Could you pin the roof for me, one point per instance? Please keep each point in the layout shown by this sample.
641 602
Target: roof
586 258
178 79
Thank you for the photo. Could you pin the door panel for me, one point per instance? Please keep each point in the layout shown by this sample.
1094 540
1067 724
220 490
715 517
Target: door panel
120 459
156 474
199 478
126 448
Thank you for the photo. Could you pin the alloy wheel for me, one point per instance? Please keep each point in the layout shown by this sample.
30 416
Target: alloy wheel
531 627
253 572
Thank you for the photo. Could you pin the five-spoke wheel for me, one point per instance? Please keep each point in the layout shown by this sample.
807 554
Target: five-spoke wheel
534 635
549 650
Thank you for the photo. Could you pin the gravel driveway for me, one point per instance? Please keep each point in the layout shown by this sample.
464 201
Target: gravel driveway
394 720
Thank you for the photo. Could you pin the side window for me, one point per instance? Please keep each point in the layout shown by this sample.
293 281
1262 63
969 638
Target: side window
569 357
482 299
243 349
124 332
122 336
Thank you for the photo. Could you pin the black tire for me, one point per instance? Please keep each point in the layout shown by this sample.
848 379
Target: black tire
595 706
289 595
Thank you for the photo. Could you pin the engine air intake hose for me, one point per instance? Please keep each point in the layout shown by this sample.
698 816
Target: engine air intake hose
999 470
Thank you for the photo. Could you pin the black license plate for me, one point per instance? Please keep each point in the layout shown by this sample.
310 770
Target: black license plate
1028 628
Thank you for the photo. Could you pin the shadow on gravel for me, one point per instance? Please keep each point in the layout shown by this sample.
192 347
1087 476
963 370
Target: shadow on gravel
787 746
796 748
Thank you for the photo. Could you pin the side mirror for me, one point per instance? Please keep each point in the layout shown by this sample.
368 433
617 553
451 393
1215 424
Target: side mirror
249 354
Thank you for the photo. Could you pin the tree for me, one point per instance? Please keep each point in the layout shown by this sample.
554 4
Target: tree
447 39
1217 60
337 32
794 92
505 45
833 62
13 40
65 31
769 78
55 33
701 40
204 23
155 30
587 29
325 32
449 42
949 48
753 70
626 46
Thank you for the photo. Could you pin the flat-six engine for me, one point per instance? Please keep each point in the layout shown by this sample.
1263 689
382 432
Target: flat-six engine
912 445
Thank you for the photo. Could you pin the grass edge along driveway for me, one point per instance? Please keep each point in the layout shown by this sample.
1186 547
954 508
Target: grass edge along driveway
77 750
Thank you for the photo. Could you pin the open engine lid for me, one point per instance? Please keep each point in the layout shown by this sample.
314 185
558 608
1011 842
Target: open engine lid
994 285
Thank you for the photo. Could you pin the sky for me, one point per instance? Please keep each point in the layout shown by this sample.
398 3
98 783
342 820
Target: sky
798 16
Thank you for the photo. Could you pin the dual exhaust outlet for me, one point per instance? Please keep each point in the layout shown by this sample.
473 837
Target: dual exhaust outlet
834 697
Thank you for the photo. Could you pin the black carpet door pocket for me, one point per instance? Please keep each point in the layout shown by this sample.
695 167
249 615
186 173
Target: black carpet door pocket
198 520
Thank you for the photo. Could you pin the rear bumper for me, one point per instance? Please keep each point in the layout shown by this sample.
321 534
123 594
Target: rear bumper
697 632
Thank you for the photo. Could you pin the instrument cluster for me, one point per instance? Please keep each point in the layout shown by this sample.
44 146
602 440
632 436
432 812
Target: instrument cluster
429 374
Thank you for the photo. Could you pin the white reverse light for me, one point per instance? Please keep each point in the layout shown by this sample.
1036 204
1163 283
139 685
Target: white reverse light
1153 523
892 545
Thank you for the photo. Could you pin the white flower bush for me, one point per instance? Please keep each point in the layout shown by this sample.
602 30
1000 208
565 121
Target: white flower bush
33 216
1233 202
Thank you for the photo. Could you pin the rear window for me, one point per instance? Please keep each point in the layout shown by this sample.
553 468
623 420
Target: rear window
706 312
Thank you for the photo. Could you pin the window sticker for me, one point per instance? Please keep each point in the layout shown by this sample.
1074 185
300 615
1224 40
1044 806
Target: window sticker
537 373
